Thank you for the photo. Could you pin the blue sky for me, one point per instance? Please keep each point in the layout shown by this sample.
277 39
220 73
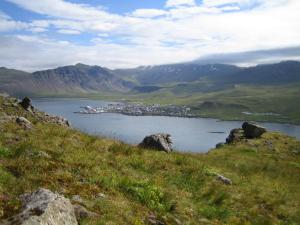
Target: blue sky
127 33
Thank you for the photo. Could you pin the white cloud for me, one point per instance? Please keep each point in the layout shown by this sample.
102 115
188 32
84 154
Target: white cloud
64 9
42 53
213 3
37 29
66 31
149 13
176 3
230 8
150 36
6 25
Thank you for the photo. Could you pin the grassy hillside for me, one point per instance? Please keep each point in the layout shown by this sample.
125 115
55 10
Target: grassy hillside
125 184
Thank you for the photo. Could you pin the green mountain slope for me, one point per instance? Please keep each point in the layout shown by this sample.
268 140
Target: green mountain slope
66 80
124 184
279 73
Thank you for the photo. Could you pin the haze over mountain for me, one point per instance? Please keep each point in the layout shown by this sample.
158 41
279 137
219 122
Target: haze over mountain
181 72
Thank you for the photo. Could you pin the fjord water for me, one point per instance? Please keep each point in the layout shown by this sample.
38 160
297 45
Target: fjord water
188 134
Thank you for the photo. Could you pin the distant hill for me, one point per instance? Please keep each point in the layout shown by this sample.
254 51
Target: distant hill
15 81
180 79
282 73
279 73
78 78
183 72
82 78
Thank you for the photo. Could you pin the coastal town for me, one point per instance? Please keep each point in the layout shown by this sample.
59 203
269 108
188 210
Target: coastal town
139 110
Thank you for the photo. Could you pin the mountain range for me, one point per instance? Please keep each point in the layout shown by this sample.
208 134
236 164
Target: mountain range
180 78
77 78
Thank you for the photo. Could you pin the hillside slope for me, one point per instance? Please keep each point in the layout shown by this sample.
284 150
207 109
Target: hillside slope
15 81
77 79
270 74
82 78
127 185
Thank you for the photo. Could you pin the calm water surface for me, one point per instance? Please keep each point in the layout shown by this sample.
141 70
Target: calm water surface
189 134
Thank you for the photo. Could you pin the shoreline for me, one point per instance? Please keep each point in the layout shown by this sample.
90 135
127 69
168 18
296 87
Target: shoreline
107 100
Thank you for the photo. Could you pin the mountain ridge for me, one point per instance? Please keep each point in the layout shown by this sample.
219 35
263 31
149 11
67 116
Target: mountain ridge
184 78
77 78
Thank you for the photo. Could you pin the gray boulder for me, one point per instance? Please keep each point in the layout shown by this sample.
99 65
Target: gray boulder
44 207
253 130
162 142
249 130
24 122
235 135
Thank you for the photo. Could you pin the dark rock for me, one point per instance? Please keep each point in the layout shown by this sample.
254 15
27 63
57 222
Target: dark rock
248 131
44 207
26 104
253 130
235 135
159 141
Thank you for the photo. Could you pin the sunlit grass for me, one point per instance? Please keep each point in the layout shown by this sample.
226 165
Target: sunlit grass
137 182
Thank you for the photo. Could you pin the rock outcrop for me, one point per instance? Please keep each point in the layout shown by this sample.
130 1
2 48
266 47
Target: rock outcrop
253 130
55 119
236 134
160 141
44 207
26 104
249 130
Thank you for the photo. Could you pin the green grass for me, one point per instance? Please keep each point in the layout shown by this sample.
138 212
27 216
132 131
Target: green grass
138 182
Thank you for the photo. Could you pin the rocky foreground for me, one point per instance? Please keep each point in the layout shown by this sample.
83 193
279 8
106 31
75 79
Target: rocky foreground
51 174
